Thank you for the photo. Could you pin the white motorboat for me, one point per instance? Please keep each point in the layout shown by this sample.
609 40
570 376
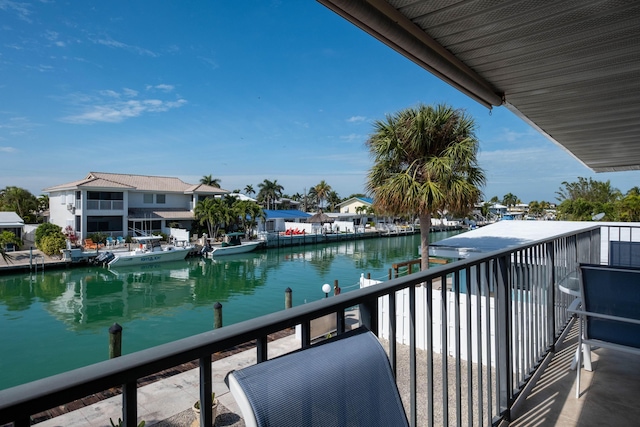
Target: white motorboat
149 251
232 245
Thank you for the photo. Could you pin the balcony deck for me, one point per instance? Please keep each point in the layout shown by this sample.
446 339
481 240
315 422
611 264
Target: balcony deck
609 393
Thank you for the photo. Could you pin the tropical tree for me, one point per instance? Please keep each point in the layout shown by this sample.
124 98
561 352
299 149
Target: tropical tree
322 190
312 201
509 200
20 201
589 190
581 200
248 213
629 206
248 190
333 200
425 160
269 192
535 208
6 238
210 180
211 212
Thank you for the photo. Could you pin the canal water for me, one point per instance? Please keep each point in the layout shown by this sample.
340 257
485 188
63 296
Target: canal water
58 320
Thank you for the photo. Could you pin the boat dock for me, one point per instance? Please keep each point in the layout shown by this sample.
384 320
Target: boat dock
30 260
279 240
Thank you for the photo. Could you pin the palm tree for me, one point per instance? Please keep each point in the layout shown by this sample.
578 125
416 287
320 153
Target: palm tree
269 192
213 212
321 191
333 199
424 161
248 190
210 180
509 200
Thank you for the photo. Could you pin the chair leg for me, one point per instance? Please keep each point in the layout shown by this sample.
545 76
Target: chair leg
579 365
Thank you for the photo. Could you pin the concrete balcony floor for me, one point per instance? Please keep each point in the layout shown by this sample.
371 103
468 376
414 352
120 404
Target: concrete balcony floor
609 394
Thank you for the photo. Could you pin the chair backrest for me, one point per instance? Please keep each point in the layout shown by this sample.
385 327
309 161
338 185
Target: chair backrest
343 381
613 291
624 254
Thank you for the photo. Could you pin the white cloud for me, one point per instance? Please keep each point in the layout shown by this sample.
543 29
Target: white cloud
130 93
109 42
110 93
356 119
161 87
109 107
210 62
353 137
19 8
8 150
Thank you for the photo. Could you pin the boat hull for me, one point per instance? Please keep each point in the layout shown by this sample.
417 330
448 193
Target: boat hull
232 250
139 258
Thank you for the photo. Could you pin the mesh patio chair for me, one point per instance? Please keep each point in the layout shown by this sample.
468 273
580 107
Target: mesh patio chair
609 310
345 381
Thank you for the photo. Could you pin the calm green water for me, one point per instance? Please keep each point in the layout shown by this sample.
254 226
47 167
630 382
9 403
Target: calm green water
58 320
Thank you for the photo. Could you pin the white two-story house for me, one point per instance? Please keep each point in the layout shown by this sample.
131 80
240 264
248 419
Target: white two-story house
124 204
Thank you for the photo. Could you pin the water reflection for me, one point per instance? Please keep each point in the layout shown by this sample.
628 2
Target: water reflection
72 309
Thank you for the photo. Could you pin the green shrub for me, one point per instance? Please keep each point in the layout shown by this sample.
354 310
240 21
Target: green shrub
45 230
98 237
7 238
53 243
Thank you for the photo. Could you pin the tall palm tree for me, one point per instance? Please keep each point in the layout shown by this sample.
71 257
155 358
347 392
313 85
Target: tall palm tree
210 180
424 161
509 200
269 192
248 190
322 190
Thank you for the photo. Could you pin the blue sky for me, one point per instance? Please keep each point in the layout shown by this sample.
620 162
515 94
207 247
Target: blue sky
243 91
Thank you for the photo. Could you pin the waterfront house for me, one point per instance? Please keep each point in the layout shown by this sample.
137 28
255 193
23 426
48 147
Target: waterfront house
125 204
351 205
275 220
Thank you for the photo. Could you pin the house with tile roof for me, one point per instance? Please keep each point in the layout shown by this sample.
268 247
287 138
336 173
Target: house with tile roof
125 204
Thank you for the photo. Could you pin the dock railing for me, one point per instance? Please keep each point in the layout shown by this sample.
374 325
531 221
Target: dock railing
507 341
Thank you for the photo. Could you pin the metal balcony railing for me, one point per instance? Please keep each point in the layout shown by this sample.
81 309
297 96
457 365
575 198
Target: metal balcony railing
105 205
497 317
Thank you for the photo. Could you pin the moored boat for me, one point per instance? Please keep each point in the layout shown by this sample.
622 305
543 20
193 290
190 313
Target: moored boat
232 245
149 251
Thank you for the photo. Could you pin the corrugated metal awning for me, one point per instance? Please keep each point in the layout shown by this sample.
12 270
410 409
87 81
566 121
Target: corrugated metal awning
569 68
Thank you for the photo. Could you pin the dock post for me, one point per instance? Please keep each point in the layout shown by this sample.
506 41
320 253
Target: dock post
336 288
217 315
288 298
115 341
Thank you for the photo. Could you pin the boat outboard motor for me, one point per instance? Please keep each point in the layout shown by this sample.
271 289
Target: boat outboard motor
206 248
103 258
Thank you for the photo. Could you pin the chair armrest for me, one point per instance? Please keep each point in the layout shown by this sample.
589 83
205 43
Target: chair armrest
606 316
573 307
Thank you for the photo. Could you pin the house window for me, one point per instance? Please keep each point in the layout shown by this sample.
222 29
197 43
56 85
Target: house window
161 199
104 195
147 198
104 224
